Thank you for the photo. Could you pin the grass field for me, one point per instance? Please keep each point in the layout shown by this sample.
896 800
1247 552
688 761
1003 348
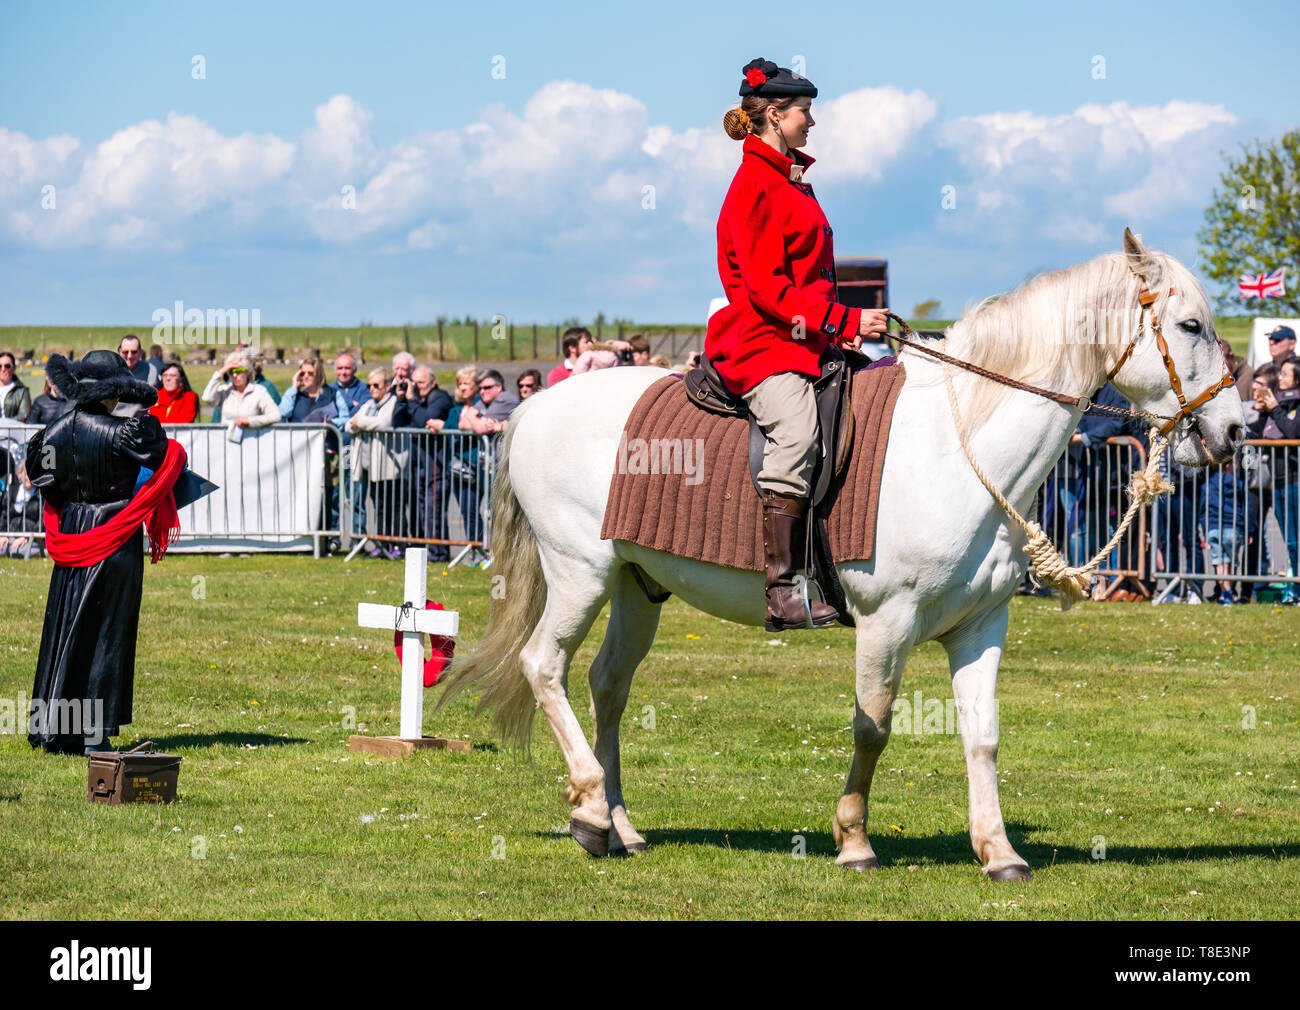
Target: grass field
1122 725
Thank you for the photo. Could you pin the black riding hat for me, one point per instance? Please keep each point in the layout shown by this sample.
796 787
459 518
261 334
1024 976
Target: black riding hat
99 375
763 77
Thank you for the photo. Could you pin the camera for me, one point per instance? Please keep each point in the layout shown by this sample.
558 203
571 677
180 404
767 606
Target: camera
401 387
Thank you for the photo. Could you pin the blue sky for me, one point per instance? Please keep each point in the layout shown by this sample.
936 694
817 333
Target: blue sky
524 194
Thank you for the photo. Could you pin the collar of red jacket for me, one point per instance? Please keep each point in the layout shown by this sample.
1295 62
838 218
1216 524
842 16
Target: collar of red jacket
782 163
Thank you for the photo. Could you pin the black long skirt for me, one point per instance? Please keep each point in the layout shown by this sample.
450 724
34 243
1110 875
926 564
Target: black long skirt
87 657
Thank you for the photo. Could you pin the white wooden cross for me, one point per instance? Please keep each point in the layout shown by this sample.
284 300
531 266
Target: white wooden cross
412 620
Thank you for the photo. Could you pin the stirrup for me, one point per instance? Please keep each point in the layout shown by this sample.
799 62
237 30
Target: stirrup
807 604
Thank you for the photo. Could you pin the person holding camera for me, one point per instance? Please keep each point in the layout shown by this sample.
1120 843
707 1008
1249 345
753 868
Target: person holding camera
403 386
426 407
1280 409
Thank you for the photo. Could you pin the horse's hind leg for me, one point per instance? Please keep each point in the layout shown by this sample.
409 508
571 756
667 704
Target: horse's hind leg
881 654
633 621
572 603
974 651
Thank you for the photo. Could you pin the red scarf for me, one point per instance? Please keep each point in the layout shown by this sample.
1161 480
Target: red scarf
154 505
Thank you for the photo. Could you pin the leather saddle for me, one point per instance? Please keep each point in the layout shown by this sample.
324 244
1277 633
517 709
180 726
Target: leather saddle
705 388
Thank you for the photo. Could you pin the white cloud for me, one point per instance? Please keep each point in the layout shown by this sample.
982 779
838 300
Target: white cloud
570 169
860 133
574 165
1075 178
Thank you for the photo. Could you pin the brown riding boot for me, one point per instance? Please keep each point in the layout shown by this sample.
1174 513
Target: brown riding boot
783 517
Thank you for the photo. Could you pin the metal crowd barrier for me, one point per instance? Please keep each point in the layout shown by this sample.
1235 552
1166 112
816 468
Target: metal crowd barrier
274 487
414 486
21 525
1234 524
1083 500
290 487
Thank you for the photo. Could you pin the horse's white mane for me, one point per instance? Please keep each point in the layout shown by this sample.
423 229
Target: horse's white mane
1061 329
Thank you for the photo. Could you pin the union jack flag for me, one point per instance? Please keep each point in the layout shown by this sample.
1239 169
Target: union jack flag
1262 285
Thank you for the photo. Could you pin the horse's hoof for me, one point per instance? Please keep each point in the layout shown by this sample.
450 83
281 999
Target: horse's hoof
1011 873
595 840
635 849
860 865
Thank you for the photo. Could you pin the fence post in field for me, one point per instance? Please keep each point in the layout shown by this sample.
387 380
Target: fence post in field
476 340
439 340
557 340
511 332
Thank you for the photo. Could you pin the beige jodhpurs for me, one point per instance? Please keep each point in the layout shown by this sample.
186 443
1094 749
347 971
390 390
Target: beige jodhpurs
786 410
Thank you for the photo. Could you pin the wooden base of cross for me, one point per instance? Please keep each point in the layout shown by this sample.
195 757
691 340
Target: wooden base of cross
412 620
396 746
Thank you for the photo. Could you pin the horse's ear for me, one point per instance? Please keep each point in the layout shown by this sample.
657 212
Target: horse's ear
1140 260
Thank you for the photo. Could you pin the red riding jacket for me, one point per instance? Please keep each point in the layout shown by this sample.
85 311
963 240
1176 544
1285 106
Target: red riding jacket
777 264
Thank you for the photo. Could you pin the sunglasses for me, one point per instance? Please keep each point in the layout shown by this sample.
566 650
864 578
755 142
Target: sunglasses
488 385
376 385
527 385
237 371
6 364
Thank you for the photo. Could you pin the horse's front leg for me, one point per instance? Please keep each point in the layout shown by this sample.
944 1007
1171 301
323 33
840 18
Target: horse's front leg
881 653
974 652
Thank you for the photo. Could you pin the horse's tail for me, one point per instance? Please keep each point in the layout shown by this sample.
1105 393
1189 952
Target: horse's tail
494 661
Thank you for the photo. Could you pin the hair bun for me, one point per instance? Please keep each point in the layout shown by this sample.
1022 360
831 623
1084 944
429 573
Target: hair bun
737 123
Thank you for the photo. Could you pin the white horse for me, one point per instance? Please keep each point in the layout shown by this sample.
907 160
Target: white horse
943 570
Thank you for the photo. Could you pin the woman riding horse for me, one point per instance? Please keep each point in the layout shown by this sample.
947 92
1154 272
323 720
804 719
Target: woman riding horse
777 264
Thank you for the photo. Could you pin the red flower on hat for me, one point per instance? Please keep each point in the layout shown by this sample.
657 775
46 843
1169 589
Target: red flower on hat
754 77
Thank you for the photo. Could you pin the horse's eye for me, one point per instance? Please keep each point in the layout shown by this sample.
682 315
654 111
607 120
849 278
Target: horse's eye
1191 325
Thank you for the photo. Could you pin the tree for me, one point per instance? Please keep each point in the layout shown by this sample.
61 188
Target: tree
1252 224
927 309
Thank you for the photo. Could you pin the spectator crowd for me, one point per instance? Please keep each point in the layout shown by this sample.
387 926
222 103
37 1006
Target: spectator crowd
1212 528
402 486
1215 525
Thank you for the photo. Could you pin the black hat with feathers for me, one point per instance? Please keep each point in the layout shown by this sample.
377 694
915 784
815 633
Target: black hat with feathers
99 375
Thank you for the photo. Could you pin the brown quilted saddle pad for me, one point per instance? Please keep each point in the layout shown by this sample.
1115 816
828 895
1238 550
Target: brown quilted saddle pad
681 481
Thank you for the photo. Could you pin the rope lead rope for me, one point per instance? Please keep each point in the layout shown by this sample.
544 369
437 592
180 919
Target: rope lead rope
1047 567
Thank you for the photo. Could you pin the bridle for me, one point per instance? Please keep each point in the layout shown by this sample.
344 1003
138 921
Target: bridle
1147 302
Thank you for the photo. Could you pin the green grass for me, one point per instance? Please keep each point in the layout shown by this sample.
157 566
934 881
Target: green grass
1116 718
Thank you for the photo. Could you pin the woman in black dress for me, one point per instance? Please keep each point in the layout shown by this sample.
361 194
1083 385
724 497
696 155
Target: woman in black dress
86 463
